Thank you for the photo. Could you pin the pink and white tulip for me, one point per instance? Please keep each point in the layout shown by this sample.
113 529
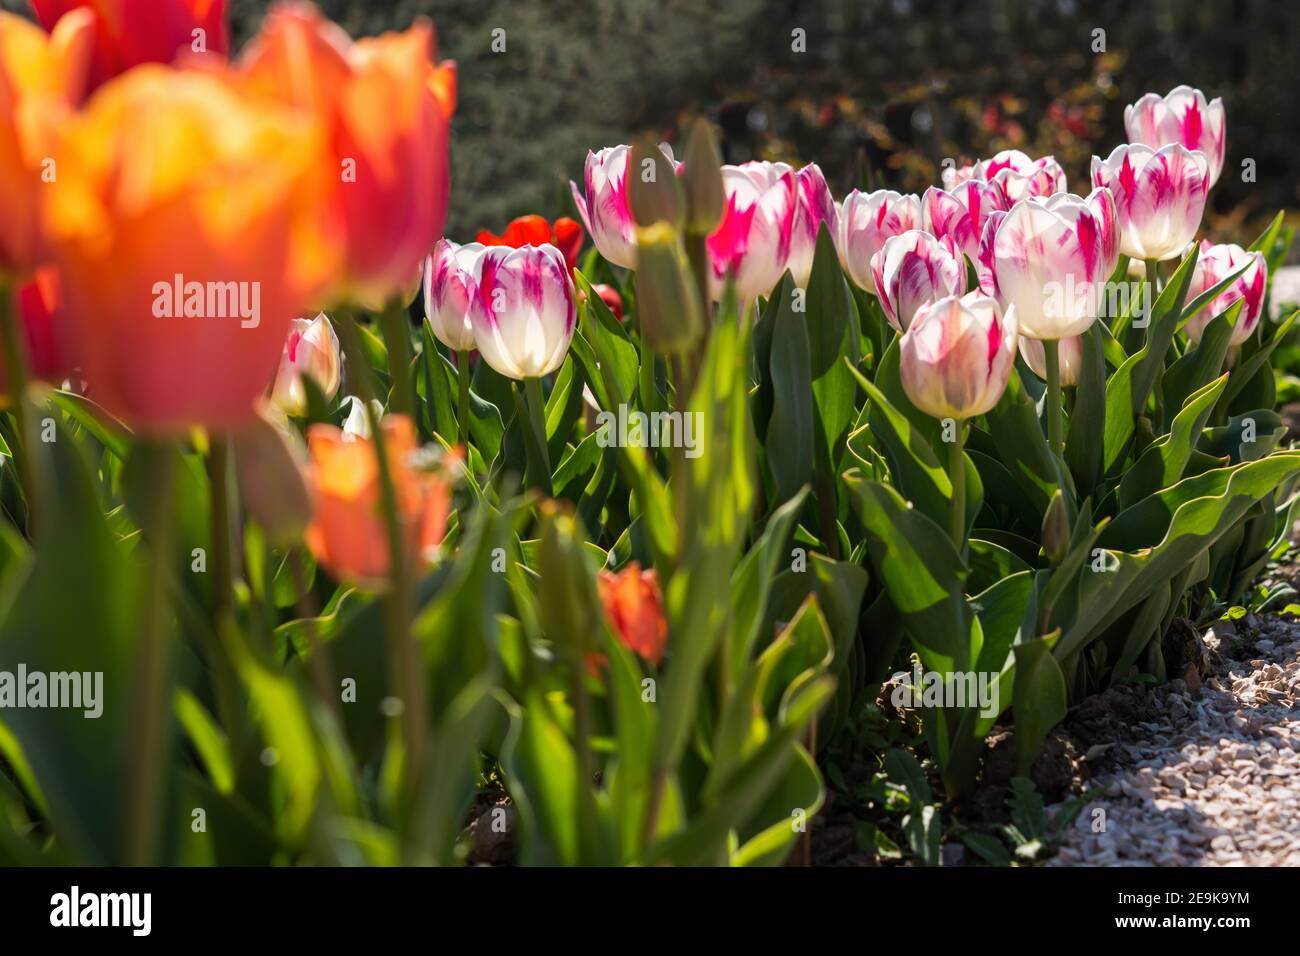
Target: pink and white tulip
1069 354
815 206
956 357
1214 265
603 204
962 212
753 242
524 310
866 222
1183 117
1050 258
448 289
914 269
1159 195
312 349
1015 173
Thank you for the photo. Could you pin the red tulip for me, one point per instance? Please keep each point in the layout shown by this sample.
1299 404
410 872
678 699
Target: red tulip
565 234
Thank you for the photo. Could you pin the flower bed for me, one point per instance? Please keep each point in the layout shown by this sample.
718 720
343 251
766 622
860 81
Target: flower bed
592 563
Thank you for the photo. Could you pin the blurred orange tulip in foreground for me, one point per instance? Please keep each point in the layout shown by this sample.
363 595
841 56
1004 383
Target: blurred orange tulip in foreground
386 108
131 32
348 534
179 230
41 79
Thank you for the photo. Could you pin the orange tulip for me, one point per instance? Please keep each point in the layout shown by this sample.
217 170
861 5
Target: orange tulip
131 32
348 534
41 79
179 228
386 109
635 608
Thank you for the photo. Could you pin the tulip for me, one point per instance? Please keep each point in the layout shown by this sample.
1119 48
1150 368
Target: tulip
38 303
312 350
1049 257
565 235
385 108
815 207
356 424
1182 117
957 355
524 312
961 212
449 285
668 301
1014 173
913 269
603 206
131 32
752 244
184 263
1159 195
41 79
609 295
1069 353
866 222
348 535
634 606
1214 265
955 360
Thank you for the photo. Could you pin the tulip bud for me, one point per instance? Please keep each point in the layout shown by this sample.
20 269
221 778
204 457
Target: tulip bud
312 349
570 607
956 356
653 192
1184 117
668 304
634 606
1214 265
702 177
1056 529
357 423
1159 196
269 461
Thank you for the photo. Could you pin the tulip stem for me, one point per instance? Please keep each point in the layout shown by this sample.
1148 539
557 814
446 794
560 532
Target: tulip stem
16 377
151 698
535 406
397 341
957 476
1055 427
463 374
649 391
223 593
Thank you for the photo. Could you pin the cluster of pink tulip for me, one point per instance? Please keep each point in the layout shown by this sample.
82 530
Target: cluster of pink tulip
1012 216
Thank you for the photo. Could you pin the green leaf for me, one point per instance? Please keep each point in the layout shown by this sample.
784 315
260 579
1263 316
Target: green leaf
1039 700
790 433
1165 460
1085 440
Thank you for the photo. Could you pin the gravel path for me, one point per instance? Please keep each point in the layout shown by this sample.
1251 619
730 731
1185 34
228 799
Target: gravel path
1206 776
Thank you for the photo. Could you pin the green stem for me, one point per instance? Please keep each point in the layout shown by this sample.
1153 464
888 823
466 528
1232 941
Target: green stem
1055 427
151 685
646 380
536 407
16 379
957 476
463 375
397 340
406 672
224 677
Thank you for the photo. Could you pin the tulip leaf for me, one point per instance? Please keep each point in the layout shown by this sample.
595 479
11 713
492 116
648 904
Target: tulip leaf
789 439
752 580
1021 445
1243 374
1164 460
1085 440
1162 323
918 564
1038 700
106 429
1202 362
